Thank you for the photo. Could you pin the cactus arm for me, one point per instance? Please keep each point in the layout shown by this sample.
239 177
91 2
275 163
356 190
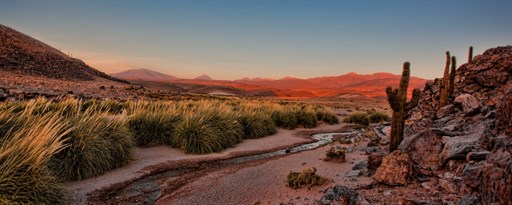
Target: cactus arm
393 98
416 93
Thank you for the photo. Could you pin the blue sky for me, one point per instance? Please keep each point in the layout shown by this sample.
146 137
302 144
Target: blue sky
273 39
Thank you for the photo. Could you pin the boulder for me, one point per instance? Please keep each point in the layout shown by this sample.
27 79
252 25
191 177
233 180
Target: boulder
342 195
395 169
470 104
424 149
458 147
497 173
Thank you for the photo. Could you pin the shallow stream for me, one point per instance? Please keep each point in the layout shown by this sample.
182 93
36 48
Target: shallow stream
147 190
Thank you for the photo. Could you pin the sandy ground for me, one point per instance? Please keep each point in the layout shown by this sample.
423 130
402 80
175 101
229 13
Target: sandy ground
264 181
145 158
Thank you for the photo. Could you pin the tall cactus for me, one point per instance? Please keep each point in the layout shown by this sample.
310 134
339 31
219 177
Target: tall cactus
397 100
470 54
444 84
451 84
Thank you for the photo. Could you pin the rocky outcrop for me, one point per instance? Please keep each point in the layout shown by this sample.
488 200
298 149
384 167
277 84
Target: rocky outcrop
424 149
395 169
470 137
497 174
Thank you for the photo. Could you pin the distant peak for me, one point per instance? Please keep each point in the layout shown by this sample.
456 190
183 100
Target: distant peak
203 77
352 73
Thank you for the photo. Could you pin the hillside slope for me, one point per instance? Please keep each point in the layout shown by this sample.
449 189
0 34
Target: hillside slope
22 54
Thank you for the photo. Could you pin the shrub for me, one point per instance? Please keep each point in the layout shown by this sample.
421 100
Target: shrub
24 175
357 118
151 128
98 143
326 116
335 153
307 177
256 125
306 119
285 119
201 133
378 117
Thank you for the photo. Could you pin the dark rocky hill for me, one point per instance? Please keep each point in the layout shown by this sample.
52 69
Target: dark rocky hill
467 143
22 54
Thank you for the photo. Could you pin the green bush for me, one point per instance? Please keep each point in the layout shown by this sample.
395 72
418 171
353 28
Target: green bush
285 119
307 177
306 119
152 128
378 117
327 117
98 143
206 132
257 125
357 118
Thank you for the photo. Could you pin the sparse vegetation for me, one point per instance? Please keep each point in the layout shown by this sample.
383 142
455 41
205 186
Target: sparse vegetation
335 153
357 118
43 143
306 178
367 118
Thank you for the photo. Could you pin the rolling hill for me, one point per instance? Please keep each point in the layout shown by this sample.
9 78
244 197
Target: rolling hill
24 55
143 74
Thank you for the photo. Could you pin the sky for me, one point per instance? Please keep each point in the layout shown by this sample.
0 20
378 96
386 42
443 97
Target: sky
263 38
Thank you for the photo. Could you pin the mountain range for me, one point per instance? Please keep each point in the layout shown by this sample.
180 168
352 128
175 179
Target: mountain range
350 84
23 55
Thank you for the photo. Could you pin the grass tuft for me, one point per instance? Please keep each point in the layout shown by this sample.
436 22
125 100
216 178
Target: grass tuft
98 143
306 178
24 155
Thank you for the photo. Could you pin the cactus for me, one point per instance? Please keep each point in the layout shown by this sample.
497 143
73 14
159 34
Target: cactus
470 55
397 100
451 85
444 84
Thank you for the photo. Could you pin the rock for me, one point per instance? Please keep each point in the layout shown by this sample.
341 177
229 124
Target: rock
427 185
477 156
458 147
469 200
395 169
387 192
353 173
424 148
361 165
342 195
448 186
374 161
442 112
472 174
504 114
497 173
469 103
